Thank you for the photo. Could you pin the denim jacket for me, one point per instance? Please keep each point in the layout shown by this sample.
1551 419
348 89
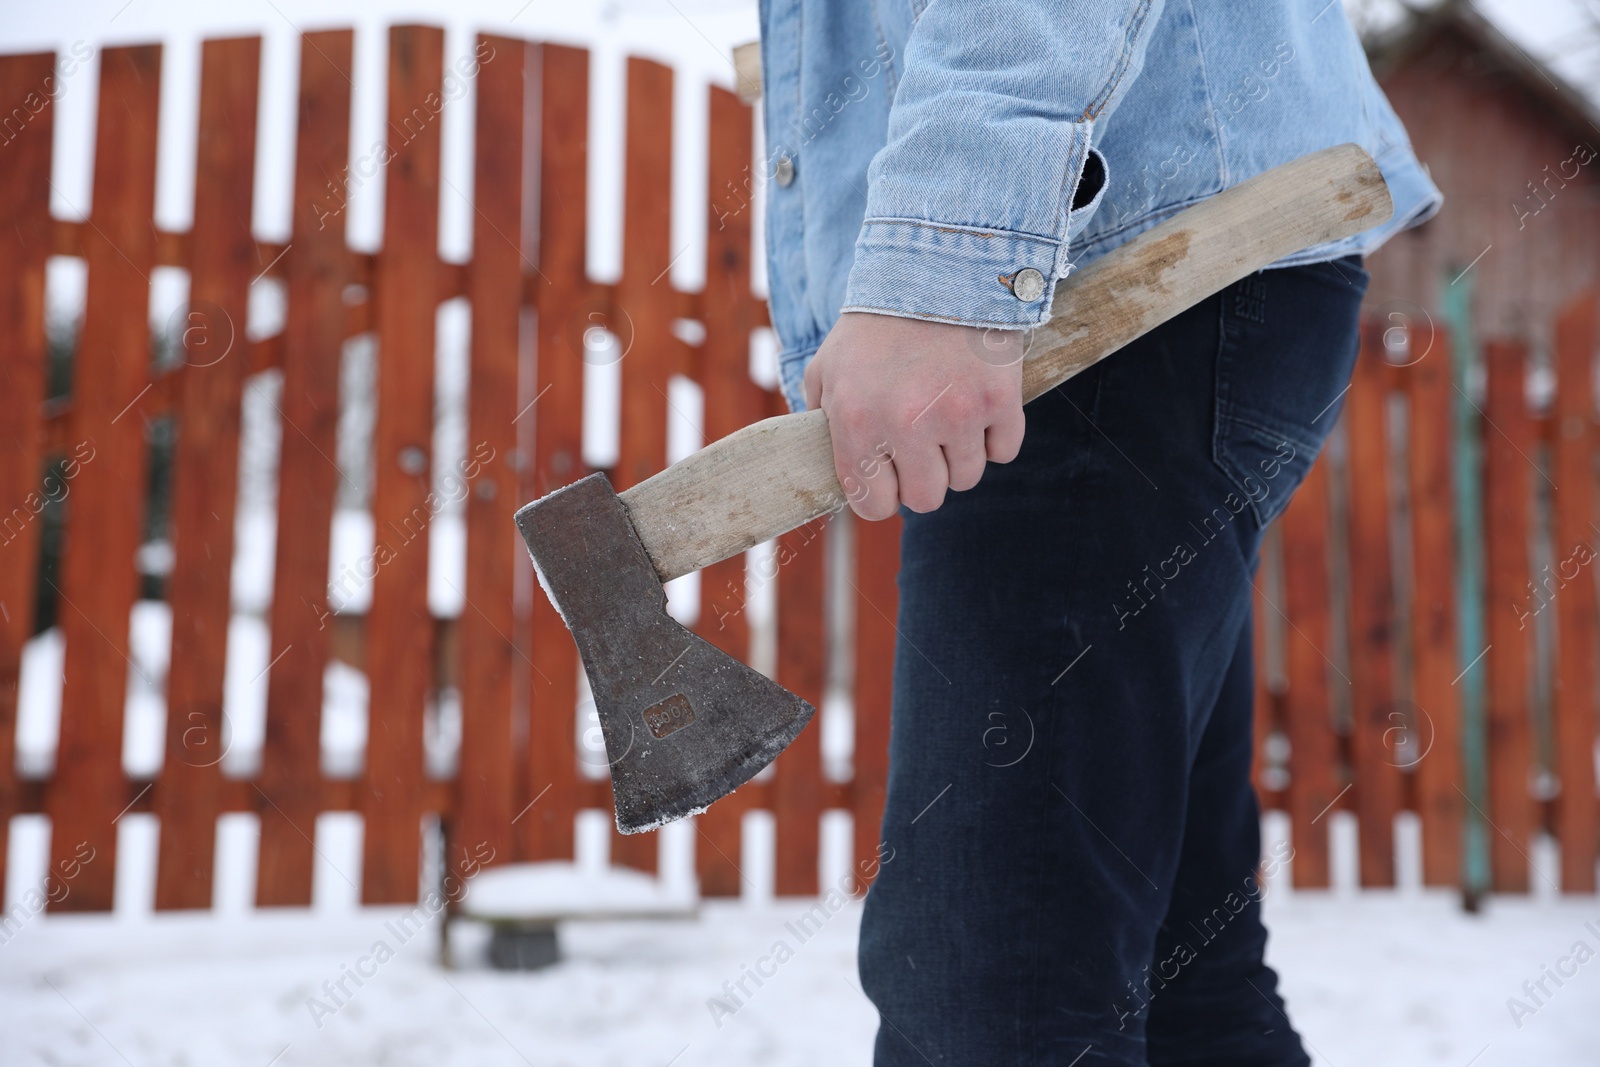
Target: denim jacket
938 159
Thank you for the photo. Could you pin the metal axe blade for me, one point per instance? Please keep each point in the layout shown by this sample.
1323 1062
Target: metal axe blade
684 722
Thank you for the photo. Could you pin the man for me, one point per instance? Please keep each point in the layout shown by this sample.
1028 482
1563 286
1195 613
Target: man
1076 839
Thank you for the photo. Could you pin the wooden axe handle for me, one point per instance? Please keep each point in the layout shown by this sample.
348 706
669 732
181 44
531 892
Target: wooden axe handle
776 474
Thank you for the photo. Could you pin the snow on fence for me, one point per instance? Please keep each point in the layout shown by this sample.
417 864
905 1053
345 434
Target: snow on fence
1365 685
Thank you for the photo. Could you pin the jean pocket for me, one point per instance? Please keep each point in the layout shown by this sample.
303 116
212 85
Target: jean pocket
1265 465
1288 346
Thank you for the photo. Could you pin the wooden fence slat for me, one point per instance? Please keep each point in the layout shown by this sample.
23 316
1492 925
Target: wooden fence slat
877 608
489 654
1508 470
547 826
1372 609
802 669
1313 755
644 304
1577 811
399 645
644 320
205 469
98 579
307 473
732 400
26 84
719 846
1435 664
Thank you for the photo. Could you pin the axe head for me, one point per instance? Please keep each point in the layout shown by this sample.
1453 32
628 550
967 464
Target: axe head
684 722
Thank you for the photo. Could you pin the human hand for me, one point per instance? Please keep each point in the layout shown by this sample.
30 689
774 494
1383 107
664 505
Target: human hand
916 408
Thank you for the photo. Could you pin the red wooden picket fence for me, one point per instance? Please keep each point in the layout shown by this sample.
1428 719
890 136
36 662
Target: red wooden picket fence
519 786
519 783
1373 718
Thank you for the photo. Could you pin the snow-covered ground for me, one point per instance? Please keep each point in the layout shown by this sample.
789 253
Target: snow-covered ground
1381 979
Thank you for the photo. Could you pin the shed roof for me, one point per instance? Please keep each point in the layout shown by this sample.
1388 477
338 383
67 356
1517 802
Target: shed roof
1390 51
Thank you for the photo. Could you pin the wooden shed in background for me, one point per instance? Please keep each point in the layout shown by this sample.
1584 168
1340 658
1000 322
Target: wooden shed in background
1515 152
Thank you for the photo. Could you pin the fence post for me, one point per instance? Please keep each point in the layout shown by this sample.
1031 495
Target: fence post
111 373
314 329
1313 755
489 654
877 607
25 87
1372 612
1577 811
800 562
205 470
1508 467
399 626
1466 469
1433 612
645 303
732 400
558 433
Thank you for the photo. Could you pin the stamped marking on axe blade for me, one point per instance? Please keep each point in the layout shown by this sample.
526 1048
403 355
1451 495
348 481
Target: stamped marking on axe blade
669 716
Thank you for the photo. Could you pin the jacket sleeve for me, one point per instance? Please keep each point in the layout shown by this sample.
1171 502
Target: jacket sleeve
988 170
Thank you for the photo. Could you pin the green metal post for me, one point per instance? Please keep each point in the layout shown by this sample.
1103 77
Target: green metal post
1467 478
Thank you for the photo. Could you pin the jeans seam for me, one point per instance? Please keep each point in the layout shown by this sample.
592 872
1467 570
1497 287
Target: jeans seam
1271 431
1222 418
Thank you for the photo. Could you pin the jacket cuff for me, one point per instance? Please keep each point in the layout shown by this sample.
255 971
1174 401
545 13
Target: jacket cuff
914 268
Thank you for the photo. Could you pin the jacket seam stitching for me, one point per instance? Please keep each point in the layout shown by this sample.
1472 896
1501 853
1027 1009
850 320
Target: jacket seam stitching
1141 13
930 317
1070 182
883 47
1156 215
1211 104
965 231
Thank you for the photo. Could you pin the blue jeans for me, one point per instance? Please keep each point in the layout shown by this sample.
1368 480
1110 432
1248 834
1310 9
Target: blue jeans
1075 837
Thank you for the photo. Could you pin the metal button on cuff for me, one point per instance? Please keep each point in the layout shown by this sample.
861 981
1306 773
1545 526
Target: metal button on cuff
783 172
1027 284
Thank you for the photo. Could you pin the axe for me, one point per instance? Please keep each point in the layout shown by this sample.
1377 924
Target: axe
684 723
